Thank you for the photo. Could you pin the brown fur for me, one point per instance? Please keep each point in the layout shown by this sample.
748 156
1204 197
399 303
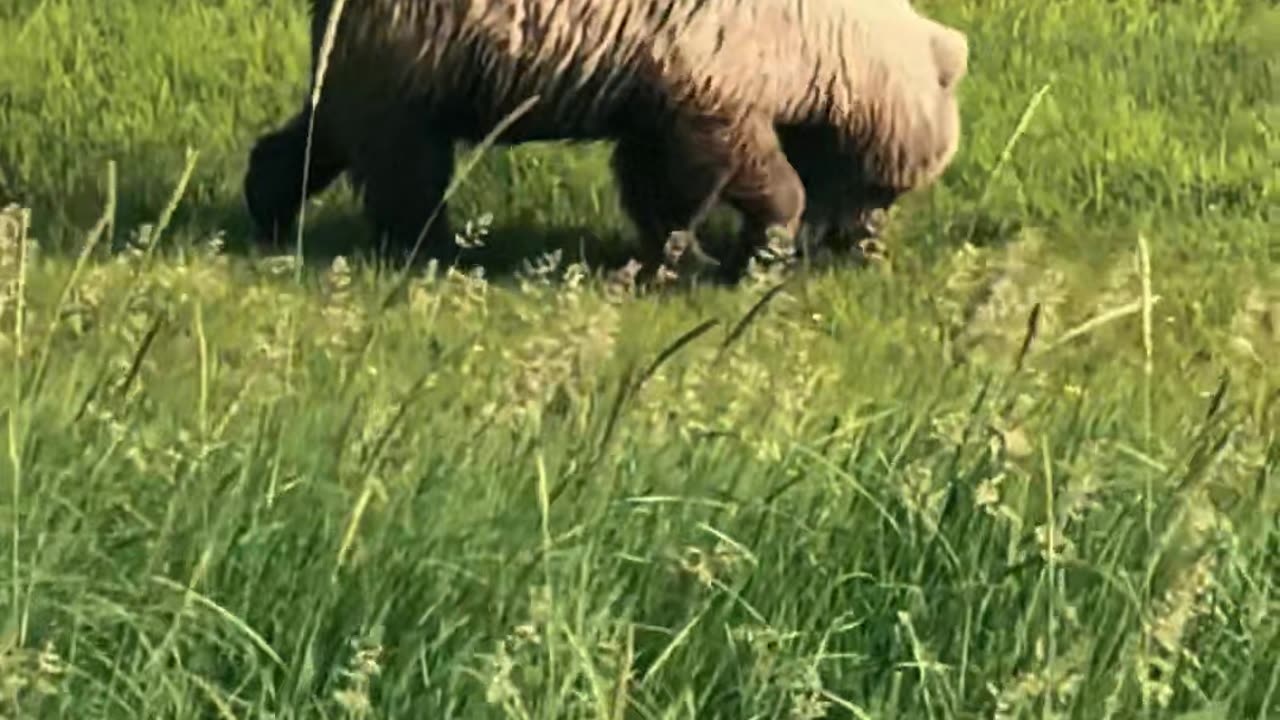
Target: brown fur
753 102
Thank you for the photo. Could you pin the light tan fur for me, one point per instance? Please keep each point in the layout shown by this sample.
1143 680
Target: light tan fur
703 96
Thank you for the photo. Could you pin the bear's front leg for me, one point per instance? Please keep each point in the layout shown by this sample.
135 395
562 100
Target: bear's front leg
661 191
762 186
401 170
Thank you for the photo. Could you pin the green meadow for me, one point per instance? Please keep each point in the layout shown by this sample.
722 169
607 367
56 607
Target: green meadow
1027 466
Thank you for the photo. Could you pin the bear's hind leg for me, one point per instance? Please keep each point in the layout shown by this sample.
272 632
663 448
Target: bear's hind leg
401 172
273 182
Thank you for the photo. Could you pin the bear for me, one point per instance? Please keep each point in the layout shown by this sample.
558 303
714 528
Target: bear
790 111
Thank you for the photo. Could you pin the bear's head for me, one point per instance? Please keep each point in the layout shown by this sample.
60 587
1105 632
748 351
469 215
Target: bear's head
899 133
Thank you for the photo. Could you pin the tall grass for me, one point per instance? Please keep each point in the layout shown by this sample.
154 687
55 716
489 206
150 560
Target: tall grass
1028 470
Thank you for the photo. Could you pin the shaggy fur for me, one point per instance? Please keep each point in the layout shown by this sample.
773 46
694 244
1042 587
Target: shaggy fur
766 104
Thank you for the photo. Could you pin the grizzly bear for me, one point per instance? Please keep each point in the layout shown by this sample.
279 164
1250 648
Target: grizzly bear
788 110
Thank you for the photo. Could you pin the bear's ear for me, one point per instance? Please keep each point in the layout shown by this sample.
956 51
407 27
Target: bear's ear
951 53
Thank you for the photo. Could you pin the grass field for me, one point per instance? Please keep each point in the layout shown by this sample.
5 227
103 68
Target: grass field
1029 470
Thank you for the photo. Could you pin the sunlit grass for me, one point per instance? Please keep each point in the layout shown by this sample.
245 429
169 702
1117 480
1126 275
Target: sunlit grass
1026 470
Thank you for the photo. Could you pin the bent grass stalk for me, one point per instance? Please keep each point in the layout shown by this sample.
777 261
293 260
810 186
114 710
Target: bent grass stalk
317 83
21 234
91 243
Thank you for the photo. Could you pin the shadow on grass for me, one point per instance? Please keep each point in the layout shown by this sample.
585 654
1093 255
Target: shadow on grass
340 230
210 207
333 227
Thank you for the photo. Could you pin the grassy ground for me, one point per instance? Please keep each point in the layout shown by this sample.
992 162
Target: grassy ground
228 493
